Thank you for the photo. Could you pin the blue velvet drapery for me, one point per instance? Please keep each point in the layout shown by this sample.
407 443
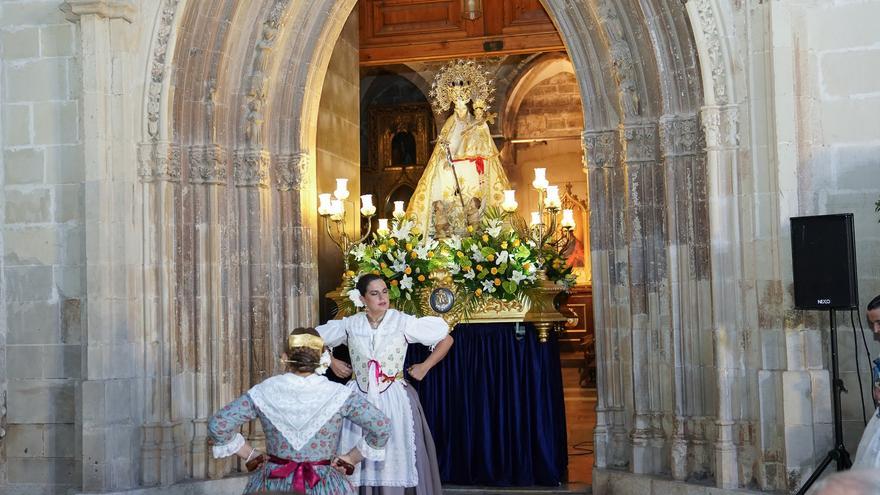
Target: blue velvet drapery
495 407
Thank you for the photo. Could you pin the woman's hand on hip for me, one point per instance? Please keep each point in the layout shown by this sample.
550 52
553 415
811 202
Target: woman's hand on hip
418 371
340 368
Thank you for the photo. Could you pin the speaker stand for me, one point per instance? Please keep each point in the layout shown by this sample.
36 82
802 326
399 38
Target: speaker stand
838 453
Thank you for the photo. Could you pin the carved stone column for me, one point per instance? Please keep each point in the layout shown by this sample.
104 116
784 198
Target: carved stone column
159 173
212 346
689 291
251 178
720 124
643 258
600 152
295 185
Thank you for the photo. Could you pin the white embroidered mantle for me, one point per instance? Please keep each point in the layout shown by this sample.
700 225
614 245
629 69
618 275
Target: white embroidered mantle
299 406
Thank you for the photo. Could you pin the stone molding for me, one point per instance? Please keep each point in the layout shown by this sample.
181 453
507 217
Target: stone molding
159 162
158 66
207 164
250 168
712 38
258 78
290 171
720 126
622 61
681 136
641 142
108 9
599 147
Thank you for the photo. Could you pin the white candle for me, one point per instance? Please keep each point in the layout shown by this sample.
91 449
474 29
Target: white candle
552 200
540 181
337 210
536 218
398 210
567 219
367 208
341 191
324 204
509 204
383 226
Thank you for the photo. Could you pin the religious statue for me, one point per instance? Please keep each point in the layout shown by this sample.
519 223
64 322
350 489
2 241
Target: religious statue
464 175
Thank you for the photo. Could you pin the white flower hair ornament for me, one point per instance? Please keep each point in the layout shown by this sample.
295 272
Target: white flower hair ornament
355 296
324 363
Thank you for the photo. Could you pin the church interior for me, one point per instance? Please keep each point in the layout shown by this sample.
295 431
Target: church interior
186 181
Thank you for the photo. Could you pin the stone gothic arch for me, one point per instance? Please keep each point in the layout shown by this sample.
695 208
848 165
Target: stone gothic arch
227 179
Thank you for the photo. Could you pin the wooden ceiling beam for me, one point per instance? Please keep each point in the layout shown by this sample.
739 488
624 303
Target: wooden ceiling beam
486 46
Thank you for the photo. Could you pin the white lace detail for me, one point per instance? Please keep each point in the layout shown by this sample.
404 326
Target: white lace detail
371 453
299 406
228 448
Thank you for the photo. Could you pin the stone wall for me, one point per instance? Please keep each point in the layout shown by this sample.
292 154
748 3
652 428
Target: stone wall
338 149
43 249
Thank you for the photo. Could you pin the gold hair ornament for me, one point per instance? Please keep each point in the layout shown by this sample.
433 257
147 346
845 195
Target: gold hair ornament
306 340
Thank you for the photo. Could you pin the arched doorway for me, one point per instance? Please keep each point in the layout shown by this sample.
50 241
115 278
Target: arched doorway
252 189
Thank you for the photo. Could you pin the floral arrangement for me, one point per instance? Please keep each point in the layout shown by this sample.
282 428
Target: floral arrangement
494 260
558 269
403 258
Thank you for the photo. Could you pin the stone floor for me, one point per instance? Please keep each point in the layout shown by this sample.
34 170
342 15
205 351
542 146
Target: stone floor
580 414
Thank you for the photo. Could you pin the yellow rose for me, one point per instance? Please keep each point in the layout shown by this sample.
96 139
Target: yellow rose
392 242
409 246
460 254
485 237
421 278
526 265
413 254
383 248
516 243
350 273
494 270
497 281
466 268
430 254
478 292
470 228
394 283
503 244
491 257
479 268
407 270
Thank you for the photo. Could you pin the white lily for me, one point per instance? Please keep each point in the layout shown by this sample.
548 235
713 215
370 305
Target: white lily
454 269
359 251
399 265
453 242
403 230
495 226
470 274
477 255
406 282
488 286
503 256
517 276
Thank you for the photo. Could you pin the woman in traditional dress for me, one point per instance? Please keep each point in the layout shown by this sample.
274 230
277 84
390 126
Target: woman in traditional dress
302 417
377 340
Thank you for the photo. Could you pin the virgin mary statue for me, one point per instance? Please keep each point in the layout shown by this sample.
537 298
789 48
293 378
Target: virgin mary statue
464 175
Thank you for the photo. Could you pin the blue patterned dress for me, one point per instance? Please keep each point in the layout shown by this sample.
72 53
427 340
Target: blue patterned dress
289 408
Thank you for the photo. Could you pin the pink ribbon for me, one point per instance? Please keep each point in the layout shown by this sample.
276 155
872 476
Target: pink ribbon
303 472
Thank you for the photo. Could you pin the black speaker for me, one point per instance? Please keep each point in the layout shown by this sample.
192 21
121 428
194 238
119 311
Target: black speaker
823 255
